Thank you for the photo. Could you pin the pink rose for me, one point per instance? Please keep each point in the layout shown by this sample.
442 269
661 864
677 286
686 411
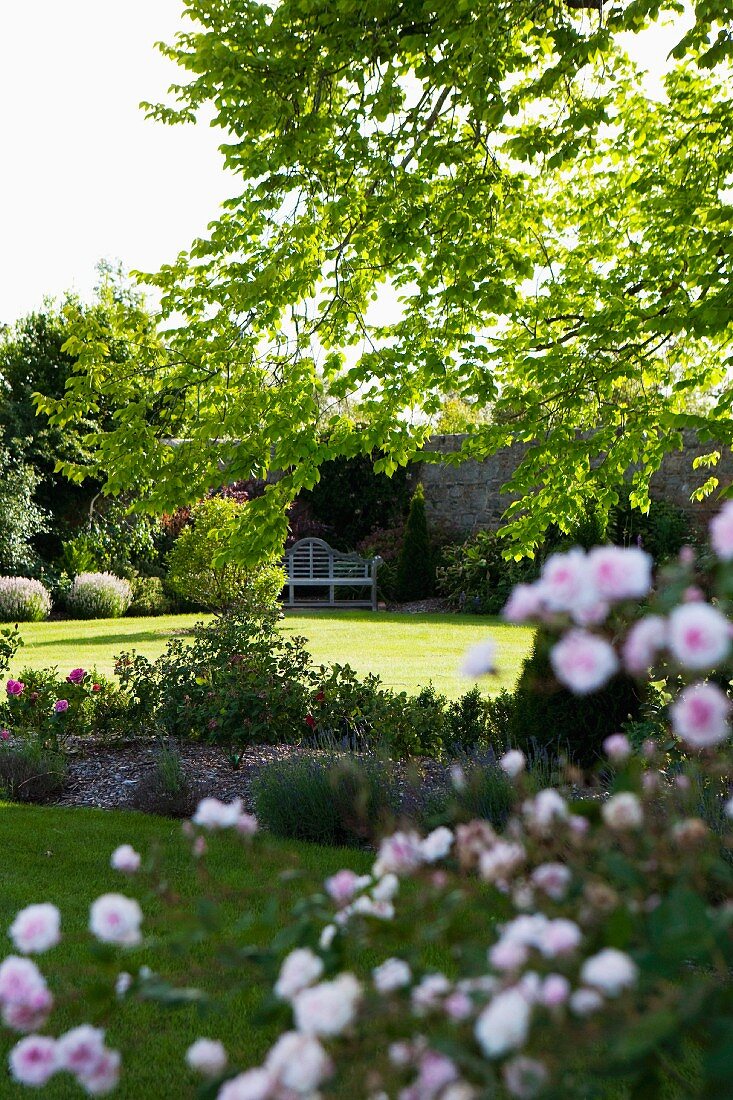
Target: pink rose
721 532
583 662
15 687
76 676
61 705
700 715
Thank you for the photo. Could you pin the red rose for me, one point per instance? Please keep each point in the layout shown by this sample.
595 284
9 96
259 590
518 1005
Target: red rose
310 721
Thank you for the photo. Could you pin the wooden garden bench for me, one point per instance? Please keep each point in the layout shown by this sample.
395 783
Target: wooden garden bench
312 564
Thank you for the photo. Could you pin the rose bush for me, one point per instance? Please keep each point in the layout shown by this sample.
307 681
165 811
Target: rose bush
583 948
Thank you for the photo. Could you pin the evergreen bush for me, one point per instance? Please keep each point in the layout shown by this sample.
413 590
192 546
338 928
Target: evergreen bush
416 567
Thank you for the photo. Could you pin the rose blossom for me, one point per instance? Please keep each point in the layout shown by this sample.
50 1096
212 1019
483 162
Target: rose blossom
207 1056
15 687
555 990
610 970
213 814
643 642
36 928
429 993
479 660
729 807
387 888
546 808
458 1005
29 1014
247 825
299 969
700 715
299 1062
623 811
565 583
328 1008
342 886
698 636
436 845
525 602
20 980
391 975
583 662
553 879
434 1073
620 572
524 1077
559 937
33 1060
504 1024
583 1001
508 954
114 918
79 1050
721 532
76 676
617 748
253 1084
104 1076
513 763
501 861
61 705
125 859
399 853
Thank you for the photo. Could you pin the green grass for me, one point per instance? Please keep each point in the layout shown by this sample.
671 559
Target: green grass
61 855
406 651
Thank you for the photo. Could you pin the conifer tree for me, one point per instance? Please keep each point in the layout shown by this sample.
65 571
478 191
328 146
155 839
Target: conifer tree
416 567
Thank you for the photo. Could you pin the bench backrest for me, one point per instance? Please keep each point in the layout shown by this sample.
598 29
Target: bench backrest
313 558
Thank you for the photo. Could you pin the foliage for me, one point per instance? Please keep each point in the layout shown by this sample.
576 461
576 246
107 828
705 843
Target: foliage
470 724
31 773
326 799
662 531
351 498
50 708
148 597
476 577
415 567
238 682
115 540
467 180
195 572
23 600
480 789
545 715
98 596
166 789
21 519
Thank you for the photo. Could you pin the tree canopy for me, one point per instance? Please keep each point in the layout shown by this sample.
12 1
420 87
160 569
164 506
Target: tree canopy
479 200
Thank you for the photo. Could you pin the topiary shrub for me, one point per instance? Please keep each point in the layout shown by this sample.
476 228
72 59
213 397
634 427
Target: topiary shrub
195 575
326 799
543 715
99 596
23 600
416 567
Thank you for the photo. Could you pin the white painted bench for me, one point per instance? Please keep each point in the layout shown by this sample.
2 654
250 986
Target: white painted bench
312 564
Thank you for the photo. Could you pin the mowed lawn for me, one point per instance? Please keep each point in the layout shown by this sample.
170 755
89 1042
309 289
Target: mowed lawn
62 855
406 651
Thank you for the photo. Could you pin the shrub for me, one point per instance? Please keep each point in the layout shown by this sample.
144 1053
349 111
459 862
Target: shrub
50 708
30 773
238 681
416 567
662 532
470 722
23 600
166 789
99 596
195 574
351 499
148 597
545 715
480 789
475 577
326 799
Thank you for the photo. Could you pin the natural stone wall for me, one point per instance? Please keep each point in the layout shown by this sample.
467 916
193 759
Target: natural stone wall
469 496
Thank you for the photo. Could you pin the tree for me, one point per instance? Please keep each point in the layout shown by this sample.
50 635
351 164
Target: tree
34 359
558 239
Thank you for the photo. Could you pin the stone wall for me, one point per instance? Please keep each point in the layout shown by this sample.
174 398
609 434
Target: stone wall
469 496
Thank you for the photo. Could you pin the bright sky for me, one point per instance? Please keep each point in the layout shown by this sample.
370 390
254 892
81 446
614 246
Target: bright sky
84 175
